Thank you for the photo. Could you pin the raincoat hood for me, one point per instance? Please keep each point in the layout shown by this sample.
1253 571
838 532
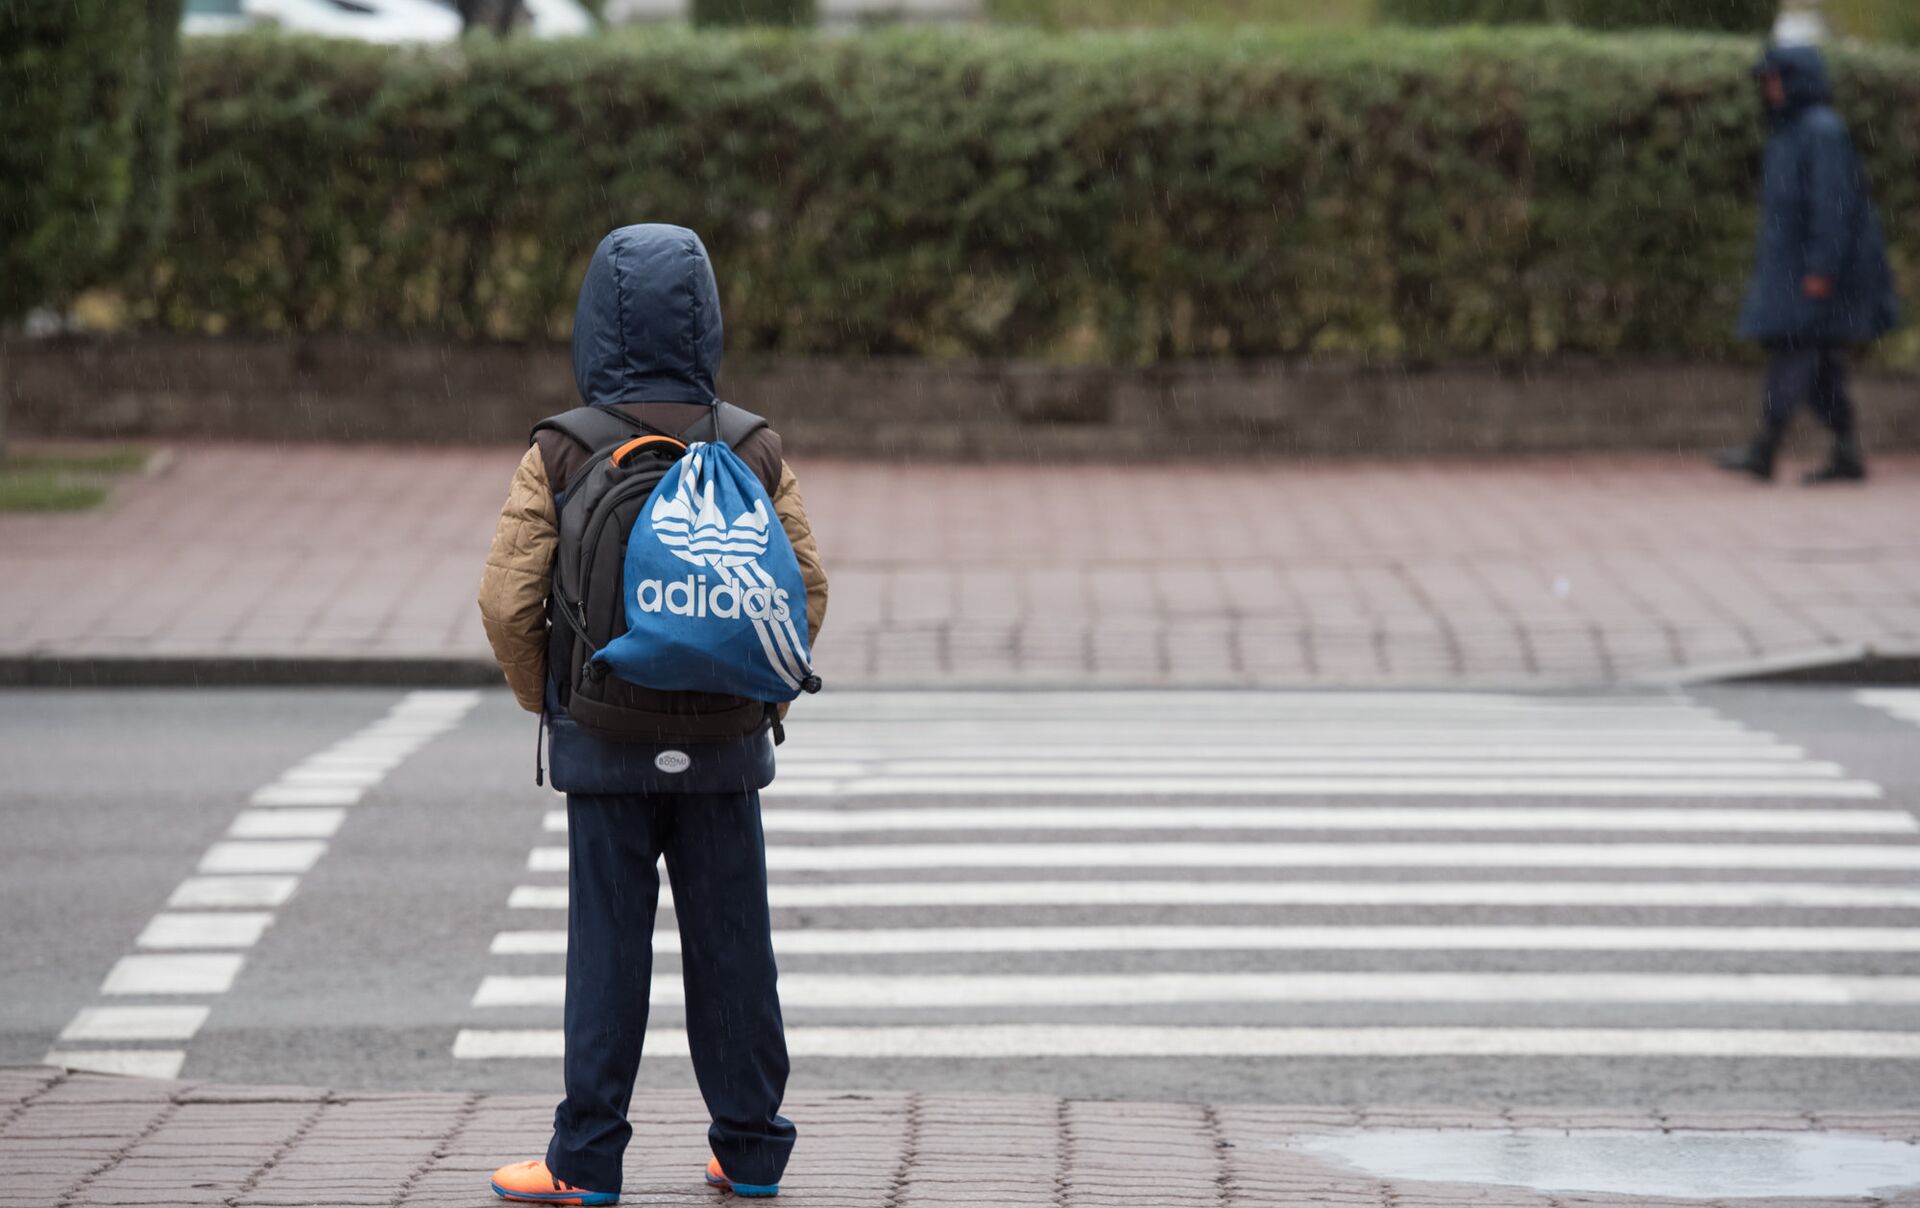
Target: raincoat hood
647 327
1803 72
1816 220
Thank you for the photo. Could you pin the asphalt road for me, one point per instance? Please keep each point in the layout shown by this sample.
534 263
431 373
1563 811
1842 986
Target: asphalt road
1703 899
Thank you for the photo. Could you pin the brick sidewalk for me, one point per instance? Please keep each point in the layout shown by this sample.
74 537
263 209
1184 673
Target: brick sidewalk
71 1140
1543 571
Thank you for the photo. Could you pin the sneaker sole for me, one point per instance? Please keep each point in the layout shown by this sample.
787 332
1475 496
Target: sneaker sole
583 1198
749 1190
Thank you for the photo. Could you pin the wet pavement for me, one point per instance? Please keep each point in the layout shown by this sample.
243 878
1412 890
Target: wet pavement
1542 571
84 1140
997 914
1704 900
1709 1166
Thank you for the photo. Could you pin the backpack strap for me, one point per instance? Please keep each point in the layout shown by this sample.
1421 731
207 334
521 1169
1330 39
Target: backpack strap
735 425
592 428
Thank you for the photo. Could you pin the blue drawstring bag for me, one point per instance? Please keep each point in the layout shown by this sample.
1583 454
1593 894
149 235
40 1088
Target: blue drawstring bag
714 597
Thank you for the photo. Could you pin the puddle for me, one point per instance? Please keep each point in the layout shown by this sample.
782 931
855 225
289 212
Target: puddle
1695 1165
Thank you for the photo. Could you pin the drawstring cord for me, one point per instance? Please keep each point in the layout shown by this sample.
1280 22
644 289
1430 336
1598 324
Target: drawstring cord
539 740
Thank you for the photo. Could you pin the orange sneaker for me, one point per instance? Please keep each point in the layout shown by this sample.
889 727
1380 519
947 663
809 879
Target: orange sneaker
532 1182
718 1178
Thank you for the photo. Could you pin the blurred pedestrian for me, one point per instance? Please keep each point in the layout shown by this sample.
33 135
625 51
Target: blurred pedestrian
652 773
1821 280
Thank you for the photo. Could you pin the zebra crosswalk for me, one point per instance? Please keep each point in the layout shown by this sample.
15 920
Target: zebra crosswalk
1264 875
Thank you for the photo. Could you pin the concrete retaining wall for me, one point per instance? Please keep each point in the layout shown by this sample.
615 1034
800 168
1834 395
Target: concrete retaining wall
354 388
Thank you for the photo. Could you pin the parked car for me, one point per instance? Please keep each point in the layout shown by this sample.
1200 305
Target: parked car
558 18
372 20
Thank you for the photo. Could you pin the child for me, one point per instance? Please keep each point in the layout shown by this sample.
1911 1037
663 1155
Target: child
647 342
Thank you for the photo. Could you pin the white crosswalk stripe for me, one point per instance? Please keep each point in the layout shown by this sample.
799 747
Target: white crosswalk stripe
1026 1041
906 856
1186 768
1339 818
1613 894
1505 855
135 1023
853 992
920 940
1903 703
1200 783
1677 755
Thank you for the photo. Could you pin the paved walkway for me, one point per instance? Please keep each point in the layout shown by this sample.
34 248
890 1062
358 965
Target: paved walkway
81 1139
1588 571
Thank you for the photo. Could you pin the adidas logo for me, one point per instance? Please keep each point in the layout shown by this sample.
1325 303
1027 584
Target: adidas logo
699 597
691 525
696 530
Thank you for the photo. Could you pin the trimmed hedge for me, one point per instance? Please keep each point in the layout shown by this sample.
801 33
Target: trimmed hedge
1120 198
752 12
1135 14
70 76
1883 20
1468 12
1731 16
86 140
155 130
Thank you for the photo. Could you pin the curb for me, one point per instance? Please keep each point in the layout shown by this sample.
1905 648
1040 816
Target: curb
65 671
242 671
1856 666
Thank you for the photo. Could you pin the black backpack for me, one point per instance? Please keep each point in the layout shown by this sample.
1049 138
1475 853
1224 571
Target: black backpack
587 604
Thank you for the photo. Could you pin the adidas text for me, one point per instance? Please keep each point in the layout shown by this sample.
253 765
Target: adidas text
698 597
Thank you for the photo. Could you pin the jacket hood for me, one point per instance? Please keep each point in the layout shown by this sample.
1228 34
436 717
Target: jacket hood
647 327
1803 70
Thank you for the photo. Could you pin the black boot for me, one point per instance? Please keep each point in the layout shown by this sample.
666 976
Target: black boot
1845 465
1755 459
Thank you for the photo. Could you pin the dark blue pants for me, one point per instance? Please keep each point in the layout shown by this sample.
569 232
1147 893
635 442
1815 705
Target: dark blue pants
1816 376
716 861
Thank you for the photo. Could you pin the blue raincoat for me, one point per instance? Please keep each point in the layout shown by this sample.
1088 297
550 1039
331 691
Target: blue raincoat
1816 220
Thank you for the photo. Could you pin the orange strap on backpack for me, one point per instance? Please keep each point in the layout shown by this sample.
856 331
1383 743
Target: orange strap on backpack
638 442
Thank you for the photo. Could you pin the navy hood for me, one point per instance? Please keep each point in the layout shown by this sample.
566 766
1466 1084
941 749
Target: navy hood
647 327
1803 71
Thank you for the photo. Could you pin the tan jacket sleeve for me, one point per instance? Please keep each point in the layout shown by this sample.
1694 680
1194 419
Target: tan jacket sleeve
519 575
792 510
